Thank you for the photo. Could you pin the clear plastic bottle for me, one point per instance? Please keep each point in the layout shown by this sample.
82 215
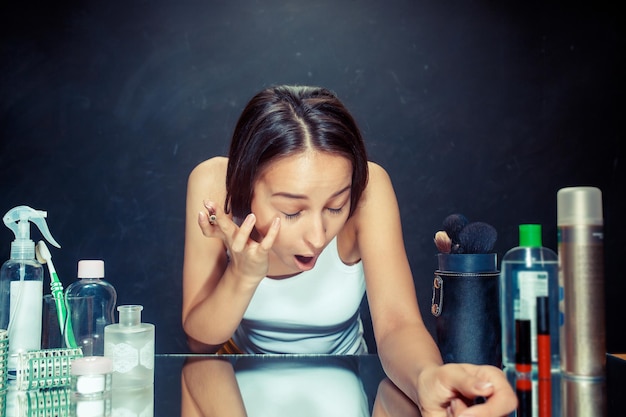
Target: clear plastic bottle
529 271
130 344
21 284
91 283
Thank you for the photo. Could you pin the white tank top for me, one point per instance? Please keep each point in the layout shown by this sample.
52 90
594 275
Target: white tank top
316 311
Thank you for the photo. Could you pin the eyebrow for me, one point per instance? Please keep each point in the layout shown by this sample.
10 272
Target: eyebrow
304 196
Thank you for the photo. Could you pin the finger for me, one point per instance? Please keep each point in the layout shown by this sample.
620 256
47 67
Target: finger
207 218
205 225
242 235
469 381
217 221
457 406
211 210
270 237
487 382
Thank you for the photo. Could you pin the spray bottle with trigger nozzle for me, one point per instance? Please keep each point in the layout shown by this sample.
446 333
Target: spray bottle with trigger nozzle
21 283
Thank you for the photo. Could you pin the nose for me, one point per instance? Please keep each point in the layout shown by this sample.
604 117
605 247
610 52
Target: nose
315 233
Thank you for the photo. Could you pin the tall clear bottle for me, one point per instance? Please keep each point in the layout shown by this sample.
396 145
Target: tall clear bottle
529 271
130 344
89 325
21 284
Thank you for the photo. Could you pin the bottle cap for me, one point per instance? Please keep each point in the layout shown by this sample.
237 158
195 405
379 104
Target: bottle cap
530 235
91 269
91 365
543 314
579 206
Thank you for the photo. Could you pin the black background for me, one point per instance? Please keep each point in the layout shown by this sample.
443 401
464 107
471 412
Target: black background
486 108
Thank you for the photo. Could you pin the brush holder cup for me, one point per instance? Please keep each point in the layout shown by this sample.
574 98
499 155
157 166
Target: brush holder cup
466 307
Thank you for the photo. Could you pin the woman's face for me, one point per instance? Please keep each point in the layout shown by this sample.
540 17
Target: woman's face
310 192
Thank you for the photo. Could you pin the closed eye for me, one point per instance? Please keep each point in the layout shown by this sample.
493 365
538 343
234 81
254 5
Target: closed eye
292 216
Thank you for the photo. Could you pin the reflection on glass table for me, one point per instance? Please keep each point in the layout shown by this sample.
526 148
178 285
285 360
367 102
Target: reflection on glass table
231 386
62 401
248 385
306 386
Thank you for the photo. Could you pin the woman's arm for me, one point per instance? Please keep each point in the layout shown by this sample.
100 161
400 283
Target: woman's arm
402 339
407 351
216 290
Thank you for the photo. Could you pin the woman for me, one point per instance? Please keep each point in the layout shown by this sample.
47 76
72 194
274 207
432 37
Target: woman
291 229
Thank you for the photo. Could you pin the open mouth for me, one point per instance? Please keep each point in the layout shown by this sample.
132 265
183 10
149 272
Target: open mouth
305 262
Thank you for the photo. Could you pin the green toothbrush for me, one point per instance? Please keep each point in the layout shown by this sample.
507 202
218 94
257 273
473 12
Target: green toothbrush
45 257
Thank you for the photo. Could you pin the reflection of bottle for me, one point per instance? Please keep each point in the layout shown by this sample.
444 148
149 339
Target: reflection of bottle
133 403
21 284
130 343
523 375
91 283
529 271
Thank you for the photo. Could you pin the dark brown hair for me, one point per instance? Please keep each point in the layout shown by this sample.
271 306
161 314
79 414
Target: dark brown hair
287 120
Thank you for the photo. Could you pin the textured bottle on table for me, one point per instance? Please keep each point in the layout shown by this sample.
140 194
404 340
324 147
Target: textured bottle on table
529 271
130 344
91 283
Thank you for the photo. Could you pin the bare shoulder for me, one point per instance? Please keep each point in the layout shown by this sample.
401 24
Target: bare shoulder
209 177
377 175
211 168
378 208
379 186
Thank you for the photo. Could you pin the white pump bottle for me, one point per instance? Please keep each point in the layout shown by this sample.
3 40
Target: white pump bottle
21 283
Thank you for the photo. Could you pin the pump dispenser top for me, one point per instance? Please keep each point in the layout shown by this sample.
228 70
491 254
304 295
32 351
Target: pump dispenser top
18 220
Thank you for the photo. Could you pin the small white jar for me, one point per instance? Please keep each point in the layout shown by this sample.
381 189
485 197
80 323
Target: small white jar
91 376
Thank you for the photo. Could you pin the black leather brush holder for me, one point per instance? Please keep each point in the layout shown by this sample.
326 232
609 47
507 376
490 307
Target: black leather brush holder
466 306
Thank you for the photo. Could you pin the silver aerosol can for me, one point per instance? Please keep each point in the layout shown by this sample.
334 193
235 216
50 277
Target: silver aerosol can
582 308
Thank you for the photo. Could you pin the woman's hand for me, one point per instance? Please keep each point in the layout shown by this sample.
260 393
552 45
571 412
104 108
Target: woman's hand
452 390
249 259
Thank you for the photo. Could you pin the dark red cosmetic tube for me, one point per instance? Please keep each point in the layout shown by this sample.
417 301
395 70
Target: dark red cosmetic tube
523 367
543 357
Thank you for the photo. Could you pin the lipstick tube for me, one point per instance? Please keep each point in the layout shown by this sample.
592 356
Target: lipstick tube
543 357
523 368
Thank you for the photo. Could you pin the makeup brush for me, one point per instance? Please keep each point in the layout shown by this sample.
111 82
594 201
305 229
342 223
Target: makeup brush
477 237
443 242
452 225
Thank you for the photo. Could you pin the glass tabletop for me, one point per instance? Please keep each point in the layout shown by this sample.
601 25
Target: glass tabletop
264 385
235 385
